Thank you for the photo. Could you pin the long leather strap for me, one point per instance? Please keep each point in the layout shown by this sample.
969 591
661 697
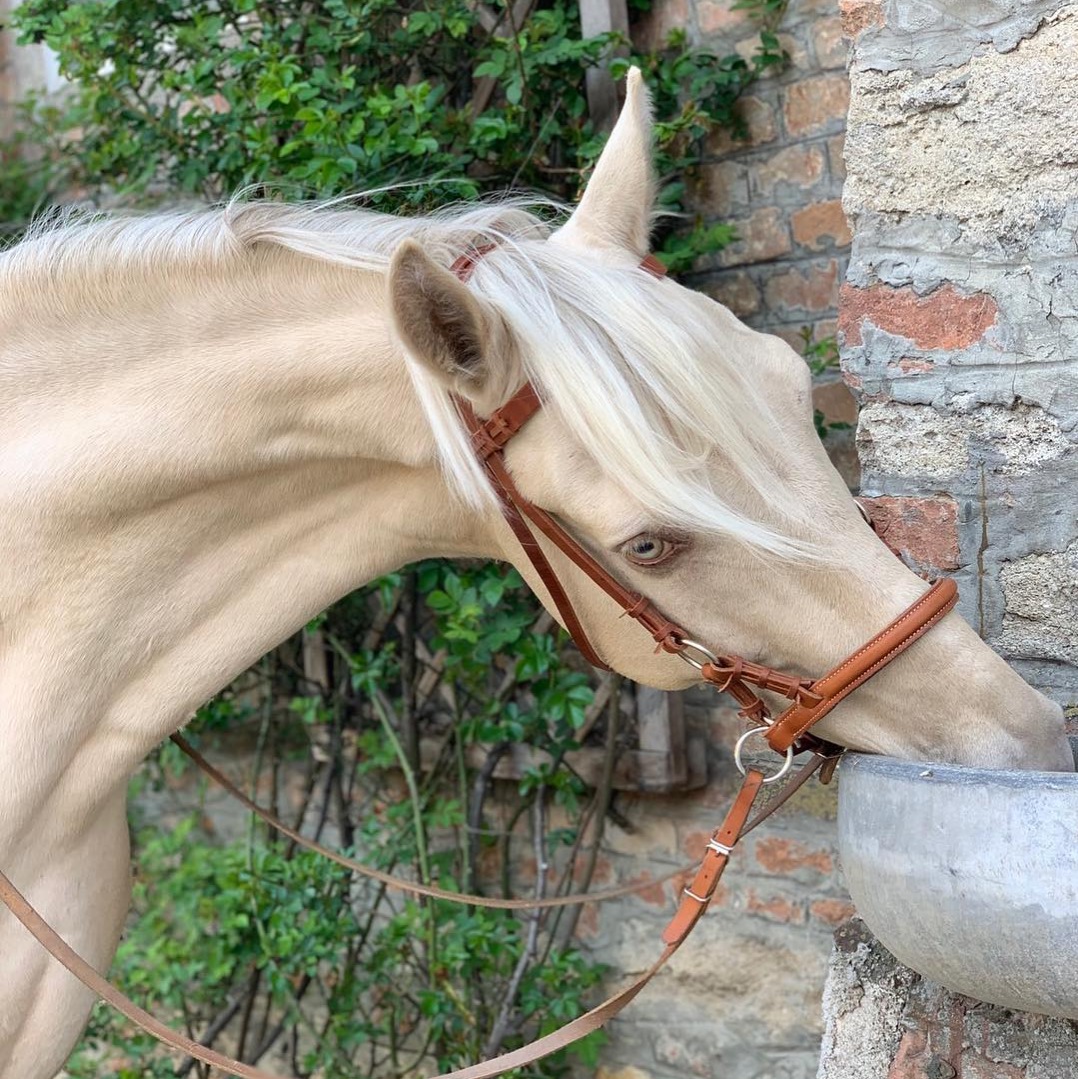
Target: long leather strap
400 883
695 901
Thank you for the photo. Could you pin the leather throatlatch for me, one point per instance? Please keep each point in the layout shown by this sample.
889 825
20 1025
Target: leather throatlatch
810 701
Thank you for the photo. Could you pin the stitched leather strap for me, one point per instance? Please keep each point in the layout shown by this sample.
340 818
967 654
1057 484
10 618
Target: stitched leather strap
868 660
692 907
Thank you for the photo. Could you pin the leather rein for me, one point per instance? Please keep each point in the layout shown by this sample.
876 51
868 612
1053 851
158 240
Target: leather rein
810 700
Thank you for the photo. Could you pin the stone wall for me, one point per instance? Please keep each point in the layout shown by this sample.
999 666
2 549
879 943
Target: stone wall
886 1022
959 317
959 330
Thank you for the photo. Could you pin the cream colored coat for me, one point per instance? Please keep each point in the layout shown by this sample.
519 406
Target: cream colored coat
199 454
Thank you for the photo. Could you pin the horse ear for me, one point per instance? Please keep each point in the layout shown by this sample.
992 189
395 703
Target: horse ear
443 325
615 211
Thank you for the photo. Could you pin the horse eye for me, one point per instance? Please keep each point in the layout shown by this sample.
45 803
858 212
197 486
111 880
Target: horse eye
645 550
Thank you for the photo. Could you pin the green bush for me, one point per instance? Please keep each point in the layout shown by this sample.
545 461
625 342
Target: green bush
206 97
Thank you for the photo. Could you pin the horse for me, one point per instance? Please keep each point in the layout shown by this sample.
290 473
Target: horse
216 422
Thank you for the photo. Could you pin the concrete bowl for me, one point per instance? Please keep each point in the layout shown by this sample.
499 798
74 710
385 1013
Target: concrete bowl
968 875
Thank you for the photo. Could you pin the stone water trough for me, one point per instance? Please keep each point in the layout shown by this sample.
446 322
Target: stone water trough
968 875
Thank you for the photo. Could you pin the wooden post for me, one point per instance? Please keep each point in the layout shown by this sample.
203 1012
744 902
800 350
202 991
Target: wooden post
599 17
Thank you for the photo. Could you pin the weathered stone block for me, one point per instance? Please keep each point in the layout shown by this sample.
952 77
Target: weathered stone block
886 1022
806 290
925 529
828 42
821 225
761 127
1041 594
814 106
763 235
736 291
795 169
721 188
993 143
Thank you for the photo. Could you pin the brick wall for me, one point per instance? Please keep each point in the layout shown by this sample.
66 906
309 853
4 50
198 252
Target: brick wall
959 327
782 185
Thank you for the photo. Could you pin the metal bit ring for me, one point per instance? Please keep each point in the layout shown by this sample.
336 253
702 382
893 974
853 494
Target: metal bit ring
699 649
786 764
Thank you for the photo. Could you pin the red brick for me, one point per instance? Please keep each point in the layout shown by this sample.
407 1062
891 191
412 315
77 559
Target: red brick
943 318
818 222
812 105
762 236
737 291
829 43
832 911
924 528
836 146
912 1058
859 15
811 289
718 17
760 128
776 908
778 855
797 166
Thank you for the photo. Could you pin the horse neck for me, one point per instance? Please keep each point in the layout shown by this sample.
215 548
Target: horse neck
192 468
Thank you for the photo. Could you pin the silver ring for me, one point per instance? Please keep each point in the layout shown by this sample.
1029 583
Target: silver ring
786 764
703 650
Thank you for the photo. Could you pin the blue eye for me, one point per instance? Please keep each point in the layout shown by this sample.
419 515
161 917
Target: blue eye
647 550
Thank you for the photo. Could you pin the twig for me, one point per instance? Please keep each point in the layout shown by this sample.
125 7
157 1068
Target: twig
603 794
223 1018
480 785
531 946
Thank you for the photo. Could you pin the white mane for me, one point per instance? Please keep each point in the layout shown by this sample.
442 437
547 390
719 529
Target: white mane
618 355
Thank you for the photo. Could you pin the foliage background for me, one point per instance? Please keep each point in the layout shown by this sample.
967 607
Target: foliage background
399 705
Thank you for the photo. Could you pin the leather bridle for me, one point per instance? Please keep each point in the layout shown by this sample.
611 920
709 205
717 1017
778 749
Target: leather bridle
810 700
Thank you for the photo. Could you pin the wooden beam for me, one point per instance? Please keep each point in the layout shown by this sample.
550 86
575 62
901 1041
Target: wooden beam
600 17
